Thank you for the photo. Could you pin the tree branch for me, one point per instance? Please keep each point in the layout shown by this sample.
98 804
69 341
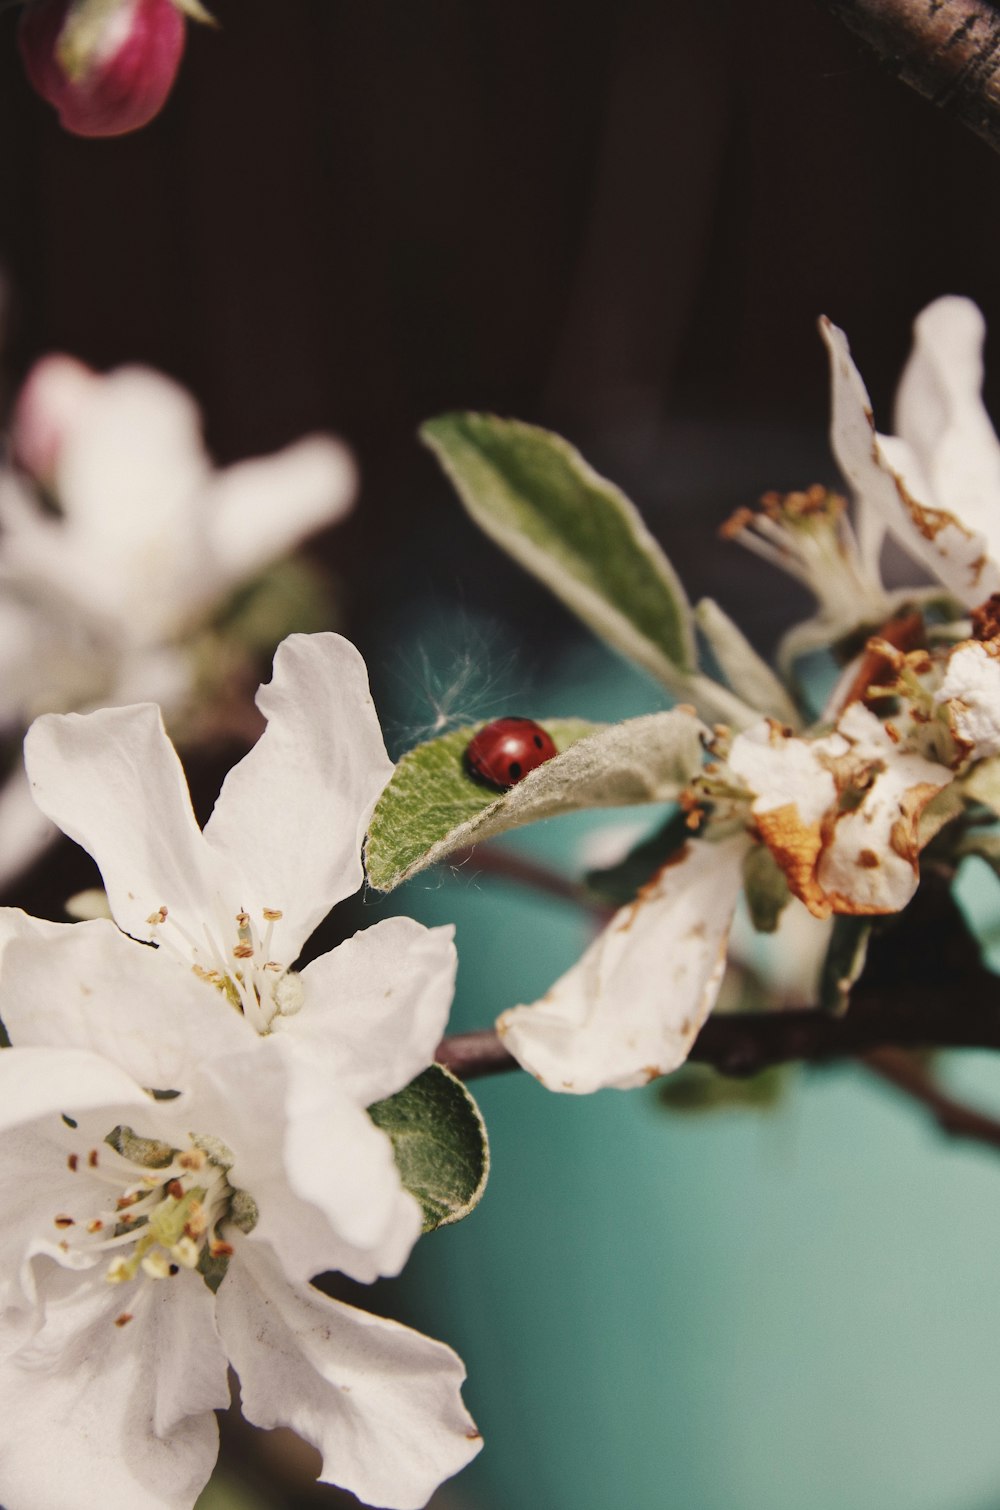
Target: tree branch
953 1117
745 1043
948 50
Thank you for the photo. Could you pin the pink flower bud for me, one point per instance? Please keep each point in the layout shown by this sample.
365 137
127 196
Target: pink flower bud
130 63
53 397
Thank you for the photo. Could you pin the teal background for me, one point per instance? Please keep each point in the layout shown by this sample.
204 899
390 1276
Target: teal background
732 1311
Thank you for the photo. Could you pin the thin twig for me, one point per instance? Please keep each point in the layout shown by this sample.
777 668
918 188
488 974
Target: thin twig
745 1043
948 50
953 1117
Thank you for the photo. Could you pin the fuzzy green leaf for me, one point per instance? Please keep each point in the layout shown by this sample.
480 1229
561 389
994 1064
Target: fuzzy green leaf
439 1141
532 493
432 806
742 667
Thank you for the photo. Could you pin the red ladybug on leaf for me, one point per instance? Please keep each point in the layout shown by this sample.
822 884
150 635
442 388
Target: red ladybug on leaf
504 751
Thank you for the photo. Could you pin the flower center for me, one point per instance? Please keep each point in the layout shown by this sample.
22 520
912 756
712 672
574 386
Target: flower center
809 535
236 959
160 1209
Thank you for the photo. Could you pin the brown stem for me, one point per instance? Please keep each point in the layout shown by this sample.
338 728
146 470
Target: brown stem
744 1043
948 50
953 1117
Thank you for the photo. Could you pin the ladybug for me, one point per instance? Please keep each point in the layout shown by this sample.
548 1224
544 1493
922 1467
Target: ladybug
503 752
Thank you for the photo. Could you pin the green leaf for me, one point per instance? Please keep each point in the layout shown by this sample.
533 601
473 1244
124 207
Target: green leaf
439 1141
432 806
699 1088
844 962
196 12
766 888
742 667
983 783
532 493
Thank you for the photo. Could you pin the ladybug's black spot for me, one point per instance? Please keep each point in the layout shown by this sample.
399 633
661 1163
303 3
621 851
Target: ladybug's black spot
539 742
515 770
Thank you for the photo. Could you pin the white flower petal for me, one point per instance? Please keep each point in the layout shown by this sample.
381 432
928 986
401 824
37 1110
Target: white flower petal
882 471
377 1006
259 510
631 1008
132 459
293 814
322 1174
852 440
96 1415
971 690
940 414
137 1007
113 782
382 1403
782 770
49 406
45 1082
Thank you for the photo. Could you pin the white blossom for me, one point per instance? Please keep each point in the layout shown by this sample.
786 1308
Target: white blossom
270 1169
935 484
839 812
99 600
149 1240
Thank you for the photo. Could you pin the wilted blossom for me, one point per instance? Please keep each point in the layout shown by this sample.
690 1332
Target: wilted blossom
107 66
843 813
934 485
100 601
186 1143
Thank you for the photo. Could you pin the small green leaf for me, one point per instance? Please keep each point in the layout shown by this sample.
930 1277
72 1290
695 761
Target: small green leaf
439 1140
766 888
844 962
532 493
744 670
699 1088
196 12
983 783
432 806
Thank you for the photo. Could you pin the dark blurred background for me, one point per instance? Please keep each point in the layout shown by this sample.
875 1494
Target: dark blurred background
618 219
621 220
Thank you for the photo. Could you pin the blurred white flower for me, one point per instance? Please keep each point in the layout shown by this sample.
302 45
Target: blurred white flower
98 599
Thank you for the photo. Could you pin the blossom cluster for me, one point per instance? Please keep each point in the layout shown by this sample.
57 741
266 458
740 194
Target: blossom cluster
899 756
187 1144
188 1112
